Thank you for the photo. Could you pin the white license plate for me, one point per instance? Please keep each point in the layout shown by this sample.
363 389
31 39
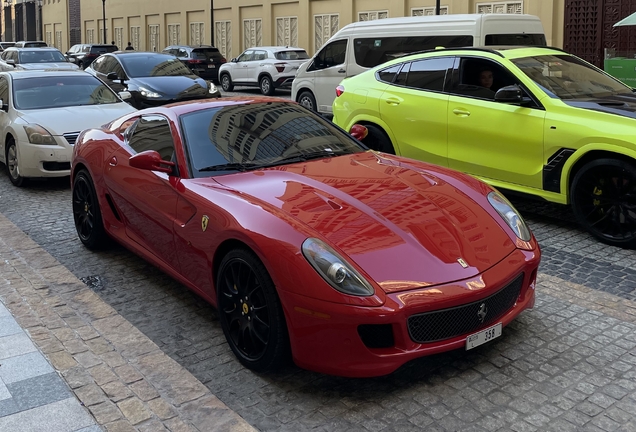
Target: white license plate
486 335
211 66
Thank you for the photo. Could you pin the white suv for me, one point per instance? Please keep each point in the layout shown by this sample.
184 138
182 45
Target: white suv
268 68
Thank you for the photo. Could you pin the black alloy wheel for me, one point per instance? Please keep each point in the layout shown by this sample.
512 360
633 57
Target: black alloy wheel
86 212
13 165
604 201
226 83
250 312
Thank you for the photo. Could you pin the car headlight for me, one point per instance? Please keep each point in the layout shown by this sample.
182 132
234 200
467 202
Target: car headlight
510 215
148 93
38 135
212 88
334 269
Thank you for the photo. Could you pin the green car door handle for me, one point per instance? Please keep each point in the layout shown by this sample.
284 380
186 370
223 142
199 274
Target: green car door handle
392 101
461 112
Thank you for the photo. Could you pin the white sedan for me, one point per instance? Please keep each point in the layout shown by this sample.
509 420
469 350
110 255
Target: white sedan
43 112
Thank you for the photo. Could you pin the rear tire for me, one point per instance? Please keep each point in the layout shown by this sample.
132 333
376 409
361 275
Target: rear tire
603 198
226 83
377 139
267 86
307 99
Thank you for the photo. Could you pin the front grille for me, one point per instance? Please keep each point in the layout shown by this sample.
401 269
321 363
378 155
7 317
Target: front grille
71 137
448 323
56 166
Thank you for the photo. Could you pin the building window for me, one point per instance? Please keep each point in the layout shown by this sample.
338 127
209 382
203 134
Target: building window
223 39
174 34
90 36
153 37
428 11
287 31
372 15
49 38
252 33
119 37
197 33
134 36
325 26
58 39
512 7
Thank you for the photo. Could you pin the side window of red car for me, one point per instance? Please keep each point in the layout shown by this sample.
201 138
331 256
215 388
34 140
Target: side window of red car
152 132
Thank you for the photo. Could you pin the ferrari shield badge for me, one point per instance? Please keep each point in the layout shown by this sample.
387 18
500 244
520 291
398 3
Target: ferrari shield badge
204 222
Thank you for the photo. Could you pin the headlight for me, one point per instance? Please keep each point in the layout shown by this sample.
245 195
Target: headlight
148 93
510 215
212 88
38 135
335 270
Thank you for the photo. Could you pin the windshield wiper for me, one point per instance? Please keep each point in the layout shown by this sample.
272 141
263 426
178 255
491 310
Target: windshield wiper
233 166
302 157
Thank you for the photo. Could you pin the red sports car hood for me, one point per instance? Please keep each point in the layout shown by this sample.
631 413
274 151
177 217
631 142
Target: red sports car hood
404 227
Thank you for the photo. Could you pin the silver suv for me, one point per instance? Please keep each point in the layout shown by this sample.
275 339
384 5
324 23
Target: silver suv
268 68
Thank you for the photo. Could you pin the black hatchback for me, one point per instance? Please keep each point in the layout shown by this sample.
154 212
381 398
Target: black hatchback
203 60
84 54
152 79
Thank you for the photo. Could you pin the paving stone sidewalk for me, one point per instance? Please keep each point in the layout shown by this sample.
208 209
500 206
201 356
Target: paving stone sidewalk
123 379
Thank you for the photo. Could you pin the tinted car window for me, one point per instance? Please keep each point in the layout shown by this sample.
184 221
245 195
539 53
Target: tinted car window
54 92
262 134
153 65
332 55
153 133
429 74
291 55
4 90
41 56
370 52
103 49
206 53
516 39
108 64
388 74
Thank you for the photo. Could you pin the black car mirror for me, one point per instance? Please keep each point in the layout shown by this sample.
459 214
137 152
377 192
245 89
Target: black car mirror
234 60
10 62
509 94
112 76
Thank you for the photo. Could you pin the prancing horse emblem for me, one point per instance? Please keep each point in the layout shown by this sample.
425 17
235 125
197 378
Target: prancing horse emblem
482 312
204 222
462 263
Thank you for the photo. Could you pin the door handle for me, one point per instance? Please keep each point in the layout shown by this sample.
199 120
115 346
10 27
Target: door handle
342 71
392 101
113 161
461 112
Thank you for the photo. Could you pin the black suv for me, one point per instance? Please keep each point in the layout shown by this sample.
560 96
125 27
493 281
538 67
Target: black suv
203 60
84 54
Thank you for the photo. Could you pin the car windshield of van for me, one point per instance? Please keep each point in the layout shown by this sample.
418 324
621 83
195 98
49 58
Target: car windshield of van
567 77
370 52
153 65
516 39
291 55
41 56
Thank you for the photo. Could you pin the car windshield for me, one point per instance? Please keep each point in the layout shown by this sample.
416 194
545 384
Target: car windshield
567 77
206 53
61 91
138 66
291 55
41 56
247 136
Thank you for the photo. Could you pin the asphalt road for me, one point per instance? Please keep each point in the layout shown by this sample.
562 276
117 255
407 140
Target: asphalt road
559 367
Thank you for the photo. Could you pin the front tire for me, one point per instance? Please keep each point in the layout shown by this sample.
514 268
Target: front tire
250 312
377 139
307 99
266 85
226 83
86 212
603 198
13 164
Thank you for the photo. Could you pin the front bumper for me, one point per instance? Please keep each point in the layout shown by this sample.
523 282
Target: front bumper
284 82
37 160
325 337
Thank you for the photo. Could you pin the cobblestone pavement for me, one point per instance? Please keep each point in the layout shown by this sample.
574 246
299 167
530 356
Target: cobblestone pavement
567 365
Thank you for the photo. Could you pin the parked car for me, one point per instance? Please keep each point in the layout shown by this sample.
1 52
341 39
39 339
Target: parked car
31 44
84 54
41 115
33 58
267 68
203 60
536 121
352 261
5 45
153 79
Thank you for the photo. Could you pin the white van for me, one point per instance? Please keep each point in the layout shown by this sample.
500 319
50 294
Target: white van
362 45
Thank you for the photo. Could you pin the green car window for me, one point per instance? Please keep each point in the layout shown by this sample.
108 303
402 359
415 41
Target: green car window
567 77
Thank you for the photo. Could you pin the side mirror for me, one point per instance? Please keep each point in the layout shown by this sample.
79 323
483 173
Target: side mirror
10 62
509 94
151 160
234 60
112 76
359 132
125 95
3 106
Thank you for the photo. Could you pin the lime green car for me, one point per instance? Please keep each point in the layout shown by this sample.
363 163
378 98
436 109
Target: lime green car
534 120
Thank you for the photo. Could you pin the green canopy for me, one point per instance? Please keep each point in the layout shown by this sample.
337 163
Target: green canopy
630 20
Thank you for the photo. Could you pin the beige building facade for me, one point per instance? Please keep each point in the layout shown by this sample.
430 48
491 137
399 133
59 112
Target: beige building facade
151 25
